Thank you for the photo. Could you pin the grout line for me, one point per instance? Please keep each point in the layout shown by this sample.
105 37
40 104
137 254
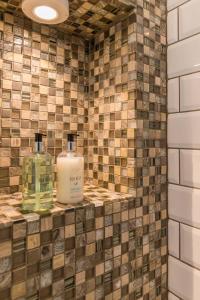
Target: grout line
183 223
178 5
182 75
179 167
178 24
179 246
175 295
189 265
185 111
183 185
184 39
183 148
179 93
167 158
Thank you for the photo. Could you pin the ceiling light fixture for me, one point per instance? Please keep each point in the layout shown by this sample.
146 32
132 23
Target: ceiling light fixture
46 11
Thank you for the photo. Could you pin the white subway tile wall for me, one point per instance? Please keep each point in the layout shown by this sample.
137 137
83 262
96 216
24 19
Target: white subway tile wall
189 92
172 26
184 149
189 15
173 165
184 204
173 95
183 280
173 238
183 57
184 130
190 168
190 245
174 3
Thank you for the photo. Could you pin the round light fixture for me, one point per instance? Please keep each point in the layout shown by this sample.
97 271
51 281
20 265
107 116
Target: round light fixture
46 11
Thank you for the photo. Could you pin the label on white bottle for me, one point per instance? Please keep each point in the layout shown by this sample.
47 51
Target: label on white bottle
70 179
75 187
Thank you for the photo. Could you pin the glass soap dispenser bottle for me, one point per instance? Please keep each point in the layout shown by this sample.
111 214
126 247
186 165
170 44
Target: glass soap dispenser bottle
70 174
37 179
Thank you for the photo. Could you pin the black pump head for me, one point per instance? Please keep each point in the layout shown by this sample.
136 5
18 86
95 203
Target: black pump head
38 137
71 136
70 141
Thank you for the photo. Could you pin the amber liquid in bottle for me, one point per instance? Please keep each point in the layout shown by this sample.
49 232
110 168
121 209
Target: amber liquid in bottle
37 178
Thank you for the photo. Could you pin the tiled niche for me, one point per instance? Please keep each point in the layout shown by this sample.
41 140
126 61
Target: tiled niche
112 90
44 83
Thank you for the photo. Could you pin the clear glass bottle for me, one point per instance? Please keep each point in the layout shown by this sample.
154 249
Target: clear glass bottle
37 179
70 174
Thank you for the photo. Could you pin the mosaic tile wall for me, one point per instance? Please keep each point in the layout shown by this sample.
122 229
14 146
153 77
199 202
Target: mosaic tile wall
86 252
127 128
150 141
86 18
43 85
111 107
122 120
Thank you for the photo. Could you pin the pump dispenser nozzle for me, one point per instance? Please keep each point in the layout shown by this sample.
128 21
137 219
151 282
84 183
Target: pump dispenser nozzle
70 141
38 141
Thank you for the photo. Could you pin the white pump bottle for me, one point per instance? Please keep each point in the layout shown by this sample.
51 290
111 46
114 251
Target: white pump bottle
70 174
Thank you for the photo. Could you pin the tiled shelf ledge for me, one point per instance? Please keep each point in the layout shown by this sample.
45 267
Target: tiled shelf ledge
76 252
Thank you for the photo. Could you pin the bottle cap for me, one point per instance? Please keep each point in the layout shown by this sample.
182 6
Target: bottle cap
70 137
38 137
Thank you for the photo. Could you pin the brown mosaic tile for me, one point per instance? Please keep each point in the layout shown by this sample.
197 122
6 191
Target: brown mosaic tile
85 18
111 89
43 88
111 133
68 261
127 135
